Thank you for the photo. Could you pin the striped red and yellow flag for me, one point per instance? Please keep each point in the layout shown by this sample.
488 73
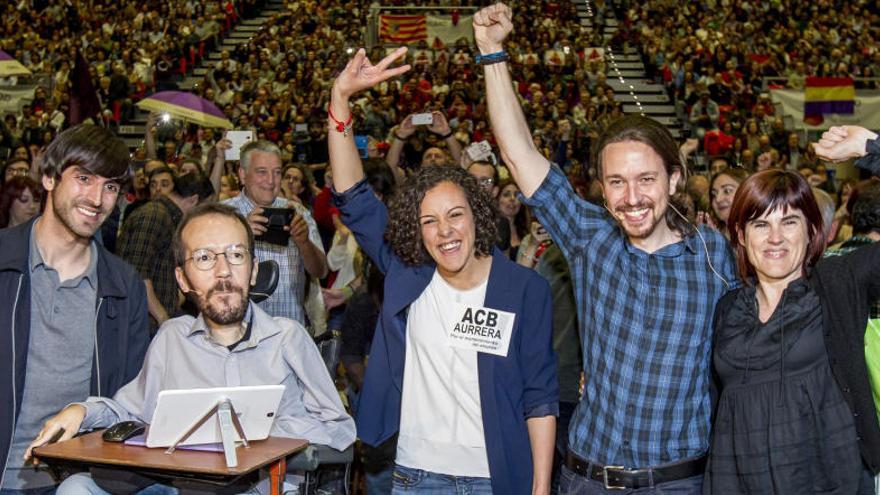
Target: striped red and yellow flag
402 28
826 95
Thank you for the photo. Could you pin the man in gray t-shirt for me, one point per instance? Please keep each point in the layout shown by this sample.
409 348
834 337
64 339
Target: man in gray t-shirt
74 315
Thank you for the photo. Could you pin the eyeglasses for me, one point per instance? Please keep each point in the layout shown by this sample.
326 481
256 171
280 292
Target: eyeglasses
486 181
17 171
205 259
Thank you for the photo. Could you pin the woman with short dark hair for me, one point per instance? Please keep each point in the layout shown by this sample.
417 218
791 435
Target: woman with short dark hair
795 412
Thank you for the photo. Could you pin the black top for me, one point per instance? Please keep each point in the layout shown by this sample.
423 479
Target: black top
782 424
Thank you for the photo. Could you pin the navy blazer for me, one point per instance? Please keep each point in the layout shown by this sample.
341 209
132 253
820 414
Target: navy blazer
513 388
121 326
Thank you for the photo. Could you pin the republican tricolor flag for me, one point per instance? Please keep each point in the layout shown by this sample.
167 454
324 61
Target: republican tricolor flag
402 28
827 95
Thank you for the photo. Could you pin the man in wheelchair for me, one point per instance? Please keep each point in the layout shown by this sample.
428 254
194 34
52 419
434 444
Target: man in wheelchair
232 342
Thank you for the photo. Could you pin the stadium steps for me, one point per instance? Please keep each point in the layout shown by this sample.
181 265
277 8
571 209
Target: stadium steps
649 109
661 99
626 74
633 65
232 44
627 58
133 132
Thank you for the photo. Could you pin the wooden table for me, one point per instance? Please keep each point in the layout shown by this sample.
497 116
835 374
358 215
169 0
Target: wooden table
92 450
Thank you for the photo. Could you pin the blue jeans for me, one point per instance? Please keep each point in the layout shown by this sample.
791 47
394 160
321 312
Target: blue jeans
571 483
82 484
406 480
378 483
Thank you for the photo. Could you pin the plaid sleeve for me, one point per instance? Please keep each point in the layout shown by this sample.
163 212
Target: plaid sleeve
570 220
139 238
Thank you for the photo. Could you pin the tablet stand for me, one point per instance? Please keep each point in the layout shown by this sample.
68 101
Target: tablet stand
227 419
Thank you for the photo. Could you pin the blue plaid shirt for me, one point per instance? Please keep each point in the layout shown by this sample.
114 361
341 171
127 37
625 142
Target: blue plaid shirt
645 332
289 296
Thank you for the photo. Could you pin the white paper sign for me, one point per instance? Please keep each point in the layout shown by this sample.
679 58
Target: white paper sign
481 329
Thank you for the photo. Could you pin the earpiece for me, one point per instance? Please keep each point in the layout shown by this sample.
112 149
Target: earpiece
705 247
699 234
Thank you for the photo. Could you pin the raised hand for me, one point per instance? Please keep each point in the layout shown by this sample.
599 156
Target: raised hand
406 127
439 125
492 24
841 143
704 218
689 146
360 74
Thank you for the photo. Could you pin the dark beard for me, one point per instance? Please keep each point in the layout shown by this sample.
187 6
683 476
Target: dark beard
64 215
234 313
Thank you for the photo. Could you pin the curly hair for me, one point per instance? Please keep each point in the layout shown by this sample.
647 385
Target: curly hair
403 231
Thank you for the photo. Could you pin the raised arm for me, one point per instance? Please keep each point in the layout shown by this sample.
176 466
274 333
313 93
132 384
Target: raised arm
440 127
528 167
846 142
400 134
358 75
149 138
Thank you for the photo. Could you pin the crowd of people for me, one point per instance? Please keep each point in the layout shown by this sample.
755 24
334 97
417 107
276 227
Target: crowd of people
717 61
123 51
659 325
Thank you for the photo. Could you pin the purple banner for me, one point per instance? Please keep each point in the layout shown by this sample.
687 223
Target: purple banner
826 107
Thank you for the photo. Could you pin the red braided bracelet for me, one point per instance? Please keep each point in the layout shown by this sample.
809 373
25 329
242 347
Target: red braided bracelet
343 127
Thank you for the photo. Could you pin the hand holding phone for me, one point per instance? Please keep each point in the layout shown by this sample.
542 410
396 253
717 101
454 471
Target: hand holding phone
480 151
422 119
237 140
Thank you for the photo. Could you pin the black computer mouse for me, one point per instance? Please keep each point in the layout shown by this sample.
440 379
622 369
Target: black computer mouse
124 430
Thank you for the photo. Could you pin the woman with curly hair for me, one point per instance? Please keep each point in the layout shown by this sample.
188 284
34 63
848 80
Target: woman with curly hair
463 366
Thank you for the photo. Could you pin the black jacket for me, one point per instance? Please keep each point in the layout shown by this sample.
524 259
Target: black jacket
846 286
122 332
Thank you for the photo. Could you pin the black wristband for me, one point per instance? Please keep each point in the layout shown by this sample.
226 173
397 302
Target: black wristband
447 135
399 138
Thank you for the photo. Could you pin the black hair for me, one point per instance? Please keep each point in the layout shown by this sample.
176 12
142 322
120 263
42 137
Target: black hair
9 163
403 230
161 170
193 184
865 214
90 147
379 177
